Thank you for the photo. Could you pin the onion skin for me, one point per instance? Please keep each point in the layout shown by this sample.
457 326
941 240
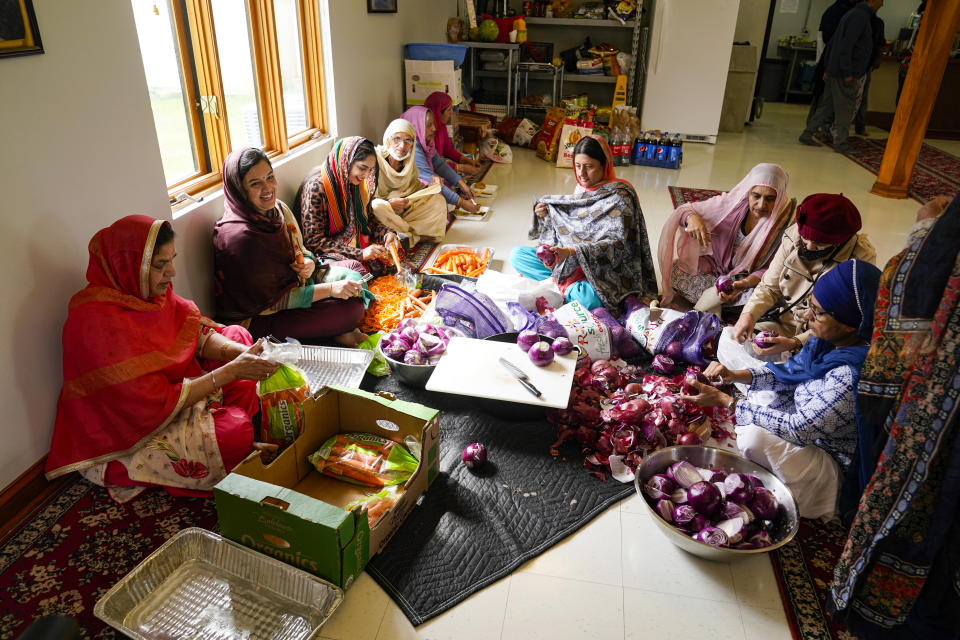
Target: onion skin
541 354
474 455
527 338
546 255
665 509
633 389
659 486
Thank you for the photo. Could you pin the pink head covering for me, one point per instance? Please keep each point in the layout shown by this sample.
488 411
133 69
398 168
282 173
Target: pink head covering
680 247
417 116
436 102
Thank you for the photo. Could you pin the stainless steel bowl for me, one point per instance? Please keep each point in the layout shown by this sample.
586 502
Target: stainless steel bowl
412 375
784 525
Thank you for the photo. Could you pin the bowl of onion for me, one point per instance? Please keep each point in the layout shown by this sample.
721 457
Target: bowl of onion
413 349
716 504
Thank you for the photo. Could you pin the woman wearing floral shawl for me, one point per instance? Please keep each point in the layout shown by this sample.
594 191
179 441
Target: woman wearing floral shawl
899 573
597 235
333 204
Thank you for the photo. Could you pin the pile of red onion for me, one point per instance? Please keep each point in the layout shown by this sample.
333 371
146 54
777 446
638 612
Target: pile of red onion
415 343
617 410
723 510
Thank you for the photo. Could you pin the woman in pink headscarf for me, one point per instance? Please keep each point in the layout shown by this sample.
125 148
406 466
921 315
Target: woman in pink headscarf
733 234
441 106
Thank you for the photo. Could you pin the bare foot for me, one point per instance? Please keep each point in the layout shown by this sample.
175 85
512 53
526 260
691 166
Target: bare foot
351 338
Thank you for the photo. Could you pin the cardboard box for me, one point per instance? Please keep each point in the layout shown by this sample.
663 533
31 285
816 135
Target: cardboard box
423 77
289 510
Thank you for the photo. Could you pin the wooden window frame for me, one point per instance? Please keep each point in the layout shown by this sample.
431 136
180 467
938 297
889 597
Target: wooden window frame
200 69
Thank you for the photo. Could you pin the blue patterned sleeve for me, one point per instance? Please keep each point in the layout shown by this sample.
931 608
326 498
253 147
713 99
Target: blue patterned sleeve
826 408
764 380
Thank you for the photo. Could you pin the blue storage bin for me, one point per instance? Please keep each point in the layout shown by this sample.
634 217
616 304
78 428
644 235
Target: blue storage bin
436 51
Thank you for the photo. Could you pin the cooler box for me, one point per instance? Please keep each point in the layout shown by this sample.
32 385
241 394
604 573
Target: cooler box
289 510
423 77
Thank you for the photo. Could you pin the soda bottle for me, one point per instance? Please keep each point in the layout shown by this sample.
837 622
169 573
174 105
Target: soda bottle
651 152
639 151
675 150
660 155
623 158
615 143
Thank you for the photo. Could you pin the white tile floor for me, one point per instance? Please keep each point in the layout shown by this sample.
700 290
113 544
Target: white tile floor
618 577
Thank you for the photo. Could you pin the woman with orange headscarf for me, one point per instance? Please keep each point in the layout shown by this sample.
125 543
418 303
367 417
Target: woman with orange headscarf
154 394
596 238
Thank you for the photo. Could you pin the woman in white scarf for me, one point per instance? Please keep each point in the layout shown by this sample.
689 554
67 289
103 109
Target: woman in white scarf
402 202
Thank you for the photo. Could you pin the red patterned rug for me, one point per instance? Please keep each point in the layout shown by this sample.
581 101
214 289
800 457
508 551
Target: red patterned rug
683 195
74 548
804 571
936 172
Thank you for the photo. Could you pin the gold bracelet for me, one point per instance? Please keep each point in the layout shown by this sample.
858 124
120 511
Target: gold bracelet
216 387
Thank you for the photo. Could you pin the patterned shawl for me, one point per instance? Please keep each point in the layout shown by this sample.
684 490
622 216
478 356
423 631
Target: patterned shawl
252 251
605 226
727 211
905 537
417 116
125 356
346 201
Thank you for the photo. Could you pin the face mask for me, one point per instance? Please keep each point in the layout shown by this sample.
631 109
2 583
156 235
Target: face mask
393 154
814 254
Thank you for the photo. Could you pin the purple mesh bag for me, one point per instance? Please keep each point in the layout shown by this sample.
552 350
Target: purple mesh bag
474 314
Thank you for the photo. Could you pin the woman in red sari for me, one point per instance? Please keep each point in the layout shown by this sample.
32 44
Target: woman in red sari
154 394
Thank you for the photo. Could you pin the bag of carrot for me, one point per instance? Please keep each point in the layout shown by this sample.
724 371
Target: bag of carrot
365 459
393 304
376 504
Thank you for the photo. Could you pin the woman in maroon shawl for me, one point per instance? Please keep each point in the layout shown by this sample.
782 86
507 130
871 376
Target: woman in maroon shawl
265 279
441 105
154 394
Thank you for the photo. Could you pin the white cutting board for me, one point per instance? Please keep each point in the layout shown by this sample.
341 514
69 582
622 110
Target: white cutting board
471 367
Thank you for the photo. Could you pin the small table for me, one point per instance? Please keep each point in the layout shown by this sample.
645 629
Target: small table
539 70
796 50
510 48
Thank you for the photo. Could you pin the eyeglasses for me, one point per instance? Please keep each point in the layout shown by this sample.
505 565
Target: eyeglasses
404 141
818 315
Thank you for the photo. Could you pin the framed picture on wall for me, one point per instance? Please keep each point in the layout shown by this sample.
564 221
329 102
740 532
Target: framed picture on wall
19 35
381 6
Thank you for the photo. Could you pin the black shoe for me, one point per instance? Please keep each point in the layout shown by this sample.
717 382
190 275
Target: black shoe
807 139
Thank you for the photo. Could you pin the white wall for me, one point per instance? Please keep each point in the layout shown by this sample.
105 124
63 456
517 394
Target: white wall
80 151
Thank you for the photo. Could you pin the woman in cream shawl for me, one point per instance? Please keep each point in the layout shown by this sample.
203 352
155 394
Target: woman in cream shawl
402 202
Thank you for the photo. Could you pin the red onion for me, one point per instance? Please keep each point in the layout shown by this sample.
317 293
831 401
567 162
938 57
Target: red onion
689 384
699 522
414 357
704 497
665 509
712 475
674 350
541 354
724 284
761 539
662 364
689 438
633 389
410 334
562 346
712 536
546 255
659 486
527 338
474 455
763 504
734 528
683 514
763 339
738 488
685 474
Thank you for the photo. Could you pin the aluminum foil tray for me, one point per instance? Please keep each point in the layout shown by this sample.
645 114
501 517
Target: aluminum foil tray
201 585
334 365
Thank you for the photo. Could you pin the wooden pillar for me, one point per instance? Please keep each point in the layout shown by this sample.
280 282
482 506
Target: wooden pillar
920 89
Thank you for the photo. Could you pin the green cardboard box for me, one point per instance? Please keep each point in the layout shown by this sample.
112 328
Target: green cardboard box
288 510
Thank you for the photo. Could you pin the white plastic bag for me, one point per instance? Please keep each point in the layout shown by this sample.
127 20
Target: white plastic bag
646 331
585 330
510 287
734 355
496 150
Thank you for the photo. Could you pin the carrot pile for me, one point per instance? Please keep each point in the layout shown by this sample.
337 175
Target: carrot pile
461 262
393 304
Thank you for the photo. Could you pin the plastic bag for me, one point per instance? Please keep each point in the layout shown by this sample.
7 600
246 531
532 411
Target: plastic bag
623 345
522 319
473 314
288 352
655 329
376 504
570 135
510 287
365 459
378 366
585 330
281 405
496 150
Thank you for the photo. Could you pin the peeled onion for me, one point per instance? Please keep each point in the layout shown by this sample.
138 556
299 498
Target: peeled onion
724 284
663 364
763 339
541 354
527 338
562 346
546 255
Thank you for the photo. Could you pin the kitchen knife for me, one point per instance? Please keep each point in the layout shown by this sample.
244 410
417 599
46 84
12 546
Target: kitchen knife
520 376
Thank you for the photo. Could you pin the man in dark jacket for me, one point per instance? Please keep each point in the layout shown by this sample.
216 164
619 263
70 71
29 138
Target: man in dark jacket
879 42
848 57
829 22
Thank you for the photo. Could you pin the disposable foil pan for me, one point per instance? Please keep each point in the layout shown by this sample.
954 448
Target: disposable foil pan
334 365
201 585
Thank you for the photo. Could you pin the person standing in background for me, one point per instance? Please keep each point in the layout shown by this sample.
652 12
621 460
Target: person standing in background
848 59
828 26
879 42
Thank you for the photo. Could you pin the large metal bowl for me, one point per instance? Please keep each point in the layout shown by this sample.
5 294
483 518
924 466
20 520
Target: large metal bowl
412 375
784 525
